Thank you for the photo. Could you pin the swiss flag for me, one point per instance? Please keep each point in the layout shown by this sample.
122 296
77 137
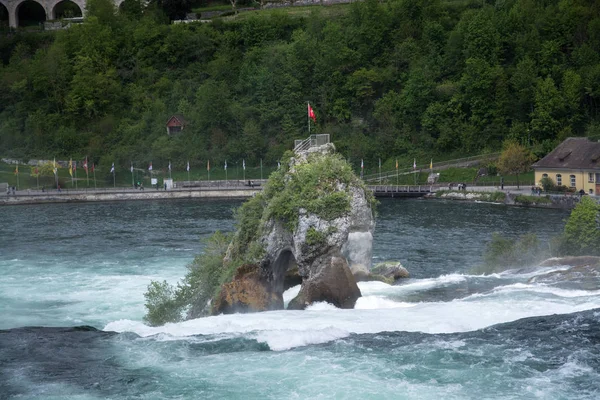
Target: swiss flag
311 113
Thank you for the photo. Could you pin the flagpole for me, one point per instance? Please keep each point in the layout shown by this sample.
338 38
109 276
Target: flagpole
188 171
397 172
87 175
261 174
380 171
244 169
208 168
226 181
132 180
94 171
17 176
415 170
76 175
55 170
308 115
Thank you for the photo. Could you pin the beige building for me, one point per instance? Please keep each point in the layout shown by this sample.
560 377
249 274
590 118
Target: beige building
575 163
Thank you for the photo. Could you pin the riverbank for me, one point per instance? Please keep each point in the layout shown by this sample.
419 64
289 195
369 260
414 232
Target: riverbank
121 194
513 196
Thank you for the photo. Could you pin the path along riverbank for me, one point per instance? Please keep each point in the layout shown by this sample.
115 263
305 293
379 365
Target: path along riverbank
522 196
238 191
124 194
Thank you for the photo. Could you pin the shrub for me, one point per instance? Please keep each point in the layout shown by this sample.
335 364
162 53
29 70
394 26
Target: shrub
529 200
503 253
162 304
547 184
166 303
315 237
320 186
582 230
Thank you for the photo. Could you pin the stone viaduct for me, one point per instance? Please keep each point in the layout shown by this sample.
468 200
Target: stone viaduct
49 6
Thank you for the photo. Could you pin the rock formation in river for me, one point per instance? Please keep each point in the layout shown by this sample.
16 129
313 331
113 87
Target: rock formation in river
315 216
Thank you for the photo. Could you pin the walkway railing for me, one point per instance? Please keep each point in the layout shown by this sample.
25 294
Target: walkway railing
438 166
311 141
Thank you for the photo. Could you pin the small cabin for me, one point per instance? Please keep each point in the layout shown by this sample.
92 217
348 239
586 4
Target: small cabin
176 124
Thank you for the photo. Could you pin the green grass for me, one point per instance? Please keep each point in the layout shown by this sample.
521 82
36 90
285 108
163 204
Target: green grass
220 7
457 175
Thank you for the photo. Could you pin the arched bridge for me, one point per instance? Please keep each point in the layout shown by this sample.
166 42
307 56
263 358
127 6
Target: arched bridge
46 9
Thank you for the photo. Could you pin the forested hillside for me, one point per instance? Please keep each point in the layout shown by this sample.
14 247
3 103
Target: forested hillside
399 78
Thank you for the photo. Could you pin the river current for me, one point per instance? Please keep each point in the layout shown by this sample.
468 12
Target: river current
73 277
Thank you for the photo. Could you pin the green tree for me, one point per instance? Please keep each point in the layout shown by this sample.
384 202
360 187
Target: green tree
514 160
582 230
549 104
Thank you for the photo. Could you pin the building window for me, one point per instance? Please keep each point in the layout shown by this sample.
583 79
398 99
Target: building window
591 177
559 179
591 191
544 176
572 180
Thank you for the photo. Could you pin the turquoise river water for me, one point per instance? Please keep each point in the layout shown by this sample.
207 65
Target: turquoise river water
73 277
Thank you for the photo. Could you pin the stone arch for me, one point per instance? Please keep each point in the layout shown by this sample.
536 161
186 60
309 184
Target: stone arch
4 16
27 12
64 8
284 263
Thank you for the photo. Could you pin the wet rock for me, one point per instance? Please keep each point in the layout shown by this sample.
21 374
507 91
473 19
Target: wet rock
390 269
333 283
249 291
325 247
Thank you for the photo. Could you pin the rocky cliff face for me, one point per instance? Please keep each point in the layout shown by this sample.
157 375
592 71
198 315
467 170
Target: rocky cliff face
317 217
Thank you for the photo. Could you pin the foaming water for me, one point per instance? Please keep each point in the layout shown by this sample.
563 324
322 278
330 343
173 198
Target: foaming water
381 309
91 263
443 333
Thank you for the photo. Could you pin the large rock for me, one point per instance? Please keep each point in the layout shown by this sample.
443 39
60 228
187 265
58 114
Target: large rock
249 291
391 269
332 283
326 244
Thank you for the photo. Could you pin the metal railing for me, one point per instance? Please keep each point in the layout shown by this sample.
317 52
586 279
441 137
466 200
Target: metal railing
438 166
311 141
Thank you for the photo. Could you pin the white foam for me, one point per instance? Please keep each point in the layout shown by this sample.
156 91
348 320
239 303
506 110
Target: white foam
544 289
437 317
289 294
286 339
377 302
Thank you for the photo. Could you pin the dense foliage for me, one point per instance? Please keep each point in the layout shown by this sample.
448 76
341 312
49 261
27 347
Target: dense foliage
582 230
168 303
502 253
581 237
321 186
386 79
